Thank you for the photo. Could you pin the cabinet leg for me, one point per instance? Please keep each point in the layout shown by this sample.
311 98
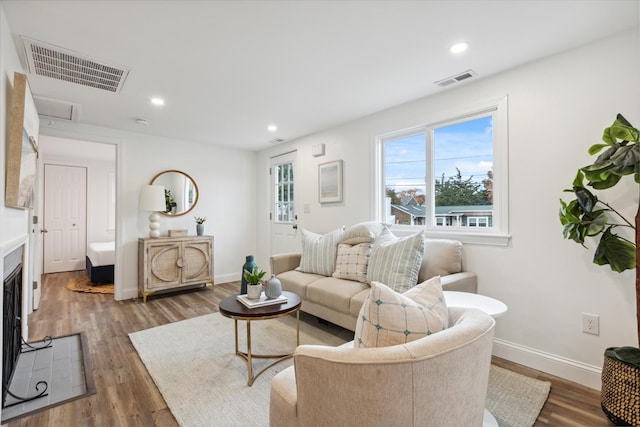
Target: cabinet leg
144 295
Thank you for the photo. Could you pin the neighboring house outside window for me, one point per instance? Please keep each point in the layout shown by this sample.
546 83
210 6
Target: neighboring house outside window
449 177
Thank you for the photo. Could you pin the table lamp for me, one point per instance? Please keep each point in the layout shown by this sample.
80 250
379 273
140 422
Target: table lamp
152 199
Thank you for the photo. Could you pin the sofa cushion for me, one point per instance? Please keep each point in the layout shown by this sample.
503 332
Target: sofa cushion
388 318
334 293
396 262
297 281
441 257
364 232
352 261
319 251
357 301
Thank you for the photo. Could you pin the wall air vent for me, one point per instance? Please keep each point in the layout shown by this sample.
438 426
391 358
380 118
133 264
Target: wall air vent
55 109
52 61
457 78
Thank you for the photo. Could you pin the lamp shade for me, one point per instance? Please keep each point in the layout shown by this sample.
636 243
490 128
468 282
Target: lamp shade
152 198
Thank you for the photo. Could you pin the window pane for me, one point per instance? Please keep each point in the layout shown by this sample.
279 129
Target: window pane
463 173
284 192
405 184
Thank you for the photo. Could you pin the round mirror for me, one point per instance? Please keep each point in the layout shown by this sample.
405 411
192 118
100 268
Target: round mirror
180 191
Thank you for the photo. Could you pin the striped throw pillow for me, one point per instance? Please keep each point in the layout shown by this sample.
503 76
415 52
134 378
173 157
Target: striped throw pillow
396 262
319 252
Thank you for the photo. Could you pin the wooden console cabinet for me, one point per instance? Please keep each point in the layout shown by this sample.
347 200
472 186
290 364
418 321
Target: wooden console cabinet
166 263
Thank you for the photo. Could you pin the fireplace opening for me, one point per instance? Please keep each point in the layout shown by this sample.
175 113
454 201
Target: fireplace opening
11 327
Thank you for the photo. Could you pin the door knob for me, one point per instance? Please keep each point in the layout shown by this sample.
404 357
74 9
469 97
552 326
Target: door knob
44 230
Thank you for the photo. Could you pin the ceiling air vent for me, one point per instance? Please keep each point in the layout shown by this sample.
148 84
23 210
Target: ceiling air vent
457 78
55 109
276 141
52 61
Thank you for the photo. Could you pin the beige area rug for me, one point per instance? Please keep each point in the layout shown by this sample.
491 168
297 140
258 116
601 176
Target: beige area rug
84 285
515 400
205 384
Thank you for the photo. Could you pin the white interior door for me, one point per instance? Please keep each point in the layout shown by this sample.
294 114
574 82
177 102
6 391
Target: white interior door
64 222
284 236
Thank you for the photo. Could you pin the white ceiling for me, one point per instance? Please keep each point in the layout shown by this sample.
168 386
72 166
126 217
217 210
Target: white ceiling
227 69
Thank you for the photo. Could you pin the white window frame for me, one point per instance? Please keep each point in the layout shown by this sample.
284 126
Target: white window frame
496 235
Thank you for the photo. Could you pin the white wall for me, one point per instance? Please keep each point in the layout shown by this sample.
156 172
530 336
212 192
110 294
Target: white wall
558 107
225 179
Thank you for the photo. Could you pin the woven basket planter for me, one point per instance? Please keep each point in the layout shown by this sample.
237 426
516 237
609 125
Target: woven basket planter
620 393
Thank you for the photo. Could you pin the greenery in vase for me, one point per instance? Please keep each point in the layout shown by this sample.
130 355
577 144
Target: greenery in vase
200 219
254 276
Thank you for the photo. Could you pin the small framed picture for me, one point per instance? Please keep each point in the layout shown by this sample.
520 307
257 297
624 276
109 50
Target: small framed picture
330 182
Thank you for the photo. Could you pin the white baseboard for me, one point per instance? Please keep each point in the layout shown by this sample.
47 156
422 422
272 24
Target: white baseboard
225 278
578 372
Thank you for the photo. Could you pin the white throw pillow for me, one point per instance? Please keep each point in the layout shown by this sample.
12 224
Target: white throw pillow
396 262
364 232
351 262
388 318
319 252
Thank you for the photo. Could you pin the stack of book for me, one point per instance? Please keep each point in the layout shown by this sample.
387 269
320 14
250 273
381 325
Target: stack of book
260 302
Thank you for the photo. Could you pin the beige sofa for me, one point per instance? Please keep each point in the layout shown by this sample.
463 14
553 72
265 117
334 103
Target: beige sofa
439 380
339 301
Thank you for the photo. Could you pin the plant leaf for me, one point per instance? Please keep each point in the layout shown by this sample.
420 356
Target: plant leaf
586 199
595 148
620 129
618 253
578 181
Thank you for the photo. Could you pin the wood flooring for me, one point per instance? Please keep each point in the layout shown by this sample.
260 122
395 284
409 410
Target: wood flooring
127 396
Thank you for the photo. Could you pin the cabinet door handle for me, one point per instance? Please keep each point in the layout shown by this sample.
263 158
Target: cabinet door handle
179 263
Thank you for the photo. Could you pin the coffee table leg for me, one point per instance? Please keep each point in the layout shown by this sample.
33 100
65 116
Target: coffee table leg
297 328
249 363
236 329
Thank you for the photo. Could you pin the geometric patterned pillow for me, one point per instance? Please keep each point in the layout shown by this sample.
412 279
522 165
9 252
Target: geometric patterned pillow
319 252
388 318
396 262
351 262
429 294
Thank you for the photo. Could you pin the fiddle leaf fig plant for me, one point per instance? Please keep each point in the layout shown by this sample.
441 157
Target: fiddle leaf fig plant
589 216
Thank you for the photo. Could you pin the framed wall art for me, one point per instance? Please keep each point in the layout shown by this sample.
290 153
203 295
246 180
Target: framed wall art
330 182
22 146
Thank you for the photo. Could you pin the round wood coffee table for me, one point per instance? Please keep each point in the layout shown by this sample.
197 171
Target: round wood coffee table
234 309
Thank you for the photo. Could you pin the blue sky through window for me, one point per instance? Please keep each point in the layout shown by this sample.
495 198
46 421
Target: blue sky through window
467 146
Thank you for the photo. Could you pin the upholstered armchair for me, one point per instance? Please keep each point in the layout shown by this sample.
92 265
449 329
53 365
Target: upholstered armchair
439 380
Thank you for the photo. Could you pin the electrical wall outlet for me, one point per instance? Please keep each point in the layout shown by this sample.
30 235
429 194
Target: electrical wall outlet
590 323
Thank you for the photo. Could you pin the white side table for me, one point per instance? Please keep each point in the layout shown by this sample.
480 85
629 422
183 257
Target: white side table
492 307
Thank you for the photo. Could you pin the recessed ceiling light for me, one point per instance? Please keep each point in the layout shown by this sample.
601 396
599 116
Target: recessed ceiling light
157 101
459 47
272 128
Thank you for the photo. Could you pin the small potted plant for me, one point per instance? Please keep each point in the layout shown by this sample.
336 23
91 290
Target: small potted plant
253 278
200 225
